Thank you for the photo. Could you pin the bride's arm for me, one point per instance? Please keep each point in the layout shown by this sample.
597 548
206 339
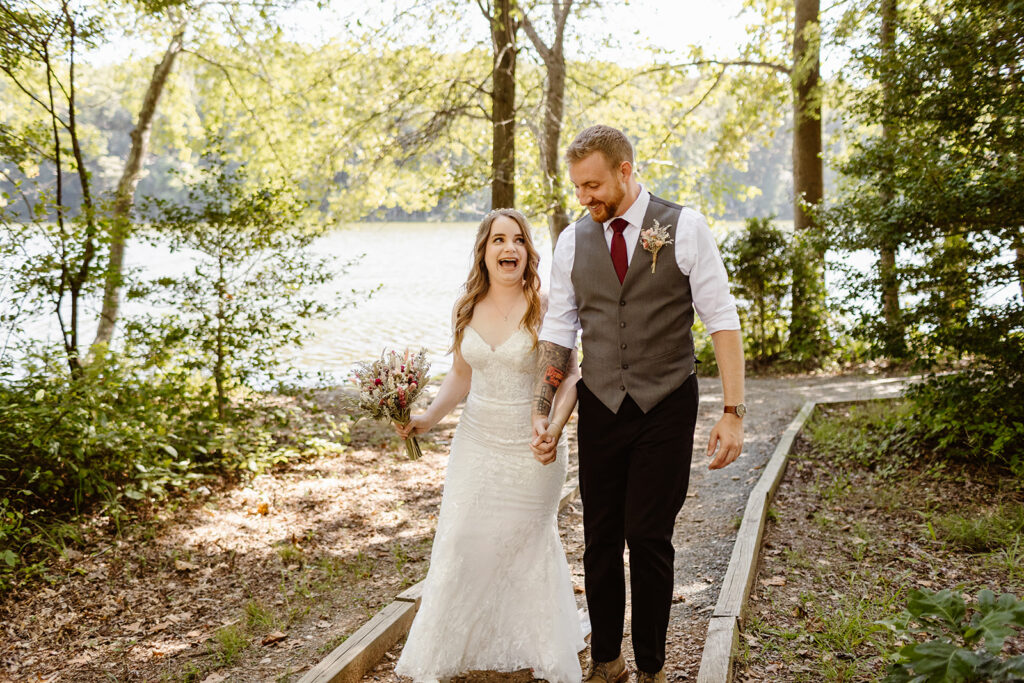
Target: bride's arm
453 389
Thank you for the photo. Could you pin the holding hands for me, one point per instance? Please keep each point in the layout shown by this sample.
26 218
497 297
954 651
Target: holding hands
545 440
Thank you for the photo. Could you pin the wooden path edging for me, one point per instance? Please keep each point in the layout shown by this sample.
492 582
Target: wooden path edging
723 629
361 651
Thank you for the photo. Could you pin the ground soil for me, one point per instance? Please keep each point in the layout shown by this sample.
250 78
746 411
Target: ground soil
259 582
844 546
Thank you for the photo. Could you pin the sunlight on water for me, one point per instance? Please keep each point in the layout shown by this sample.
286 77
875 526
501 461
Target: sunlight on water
419 269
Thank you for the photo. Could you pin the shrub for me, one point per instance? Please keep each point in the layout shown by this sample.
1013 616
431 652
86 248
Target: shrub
961 644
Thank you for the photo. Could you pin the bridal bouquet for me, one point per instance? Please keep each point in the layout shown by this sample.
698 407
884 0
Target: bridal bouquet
388 387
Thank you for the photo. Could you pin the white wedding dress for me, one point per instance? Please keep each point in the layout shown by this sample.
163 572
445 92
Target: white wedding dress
497 596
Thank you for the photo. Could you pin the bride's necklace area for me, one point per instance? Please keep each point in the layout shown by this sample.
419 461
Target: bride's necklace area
505 314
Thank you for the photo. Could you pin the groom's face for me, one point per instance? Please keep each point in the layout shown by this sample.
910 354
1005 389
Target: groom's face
599 186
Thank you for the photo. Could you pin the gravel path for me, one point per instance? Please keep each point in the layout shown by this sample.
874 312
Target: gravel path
706 527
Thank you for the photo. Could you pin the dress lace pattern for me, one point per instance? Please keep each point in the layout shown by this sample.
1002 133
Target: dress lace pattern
497 595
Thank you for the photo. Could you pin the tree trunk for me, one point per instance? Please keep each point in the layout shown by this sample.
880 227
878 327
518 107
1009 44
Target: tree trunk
895 345
124 196
554 109
503 104
807 329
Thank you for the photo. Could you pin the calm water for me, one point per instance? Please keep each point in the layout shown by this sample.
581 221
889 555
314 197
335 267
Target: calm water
419 269
415 270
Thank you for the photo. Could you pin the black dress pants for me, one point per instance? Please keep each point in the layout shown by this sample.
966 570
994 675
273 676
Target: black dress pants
634 471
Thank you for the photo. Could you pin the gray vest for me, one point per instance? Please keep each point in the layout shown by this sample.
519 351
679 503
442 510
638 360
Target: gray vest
636 336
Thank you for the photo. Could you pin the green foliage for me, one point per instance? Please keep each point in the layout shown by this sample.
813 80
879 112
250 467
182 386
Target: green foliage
998 529
759 266
961 644
873 435
976 413
249 290
942 181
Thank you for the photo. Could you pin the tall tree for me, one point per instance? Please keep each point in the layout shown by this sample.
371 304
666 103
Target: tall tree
807 330
553 111
889 279
502 15
124 194
44 44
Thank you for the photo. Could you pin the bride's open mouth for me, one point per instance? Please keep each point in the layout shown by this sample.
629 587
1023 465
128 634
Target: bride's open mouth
508 263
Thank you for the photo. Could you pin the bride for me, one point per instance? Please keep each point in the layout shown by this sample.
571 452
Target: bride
497 596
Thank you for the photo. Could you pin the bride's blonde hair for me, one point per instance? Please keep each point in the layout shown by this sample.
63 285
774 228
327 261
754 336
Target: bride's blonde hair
479 282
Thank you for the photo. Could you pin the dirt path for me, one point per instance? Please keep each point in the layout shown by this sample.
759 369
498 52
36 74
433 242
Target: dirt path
259 583
706 527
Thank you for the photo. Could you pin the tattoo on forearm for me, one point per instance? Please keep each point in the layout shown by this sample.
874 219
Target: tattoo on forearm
552 362
553 376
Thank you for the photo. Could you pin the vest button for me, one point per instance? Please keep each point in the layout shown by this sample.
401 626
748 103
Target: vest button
622 388
622 302
623 346
625 366
622 324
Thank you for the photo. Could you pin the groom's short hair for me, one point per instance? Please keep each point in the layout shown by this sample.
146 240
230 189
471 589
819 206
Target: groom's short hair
600 138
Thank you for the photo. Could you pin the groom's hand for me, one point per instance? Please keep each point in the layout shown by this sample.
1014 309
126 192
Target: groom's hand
544 444
727 436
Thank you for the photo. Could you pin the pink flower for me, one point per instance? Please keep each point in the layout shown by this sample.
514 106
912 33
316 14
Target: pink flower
378 381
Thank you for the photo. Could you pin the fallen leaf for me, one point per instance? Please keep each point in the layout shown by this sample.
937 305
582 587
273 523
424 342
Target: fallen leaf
263 509
774 581
183 566
273 637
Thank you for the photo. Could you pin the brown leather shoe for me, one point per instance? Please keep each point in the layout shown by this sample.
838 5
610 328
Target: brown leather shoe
644 677
608 672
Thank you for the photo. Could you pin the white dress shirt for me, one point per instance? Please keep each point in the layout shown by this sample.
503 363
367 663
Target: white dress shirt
696 254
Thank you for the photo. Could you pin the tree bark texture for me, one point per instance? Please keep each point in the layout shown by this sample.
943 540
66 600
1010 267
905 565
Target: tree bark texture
124 195
503 105
553 110
889 279
807 325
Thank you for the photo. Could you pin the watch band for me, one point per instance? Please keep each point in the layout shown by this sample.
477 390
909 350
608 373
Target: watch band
739 410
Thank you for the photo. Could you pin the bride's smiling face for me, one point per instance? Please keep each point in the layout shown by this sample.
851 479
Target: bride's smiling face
505 255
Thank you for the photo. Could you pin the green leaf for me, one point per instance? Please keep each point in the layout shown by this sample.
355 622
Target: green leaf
10 558
941 660
948 607
171 451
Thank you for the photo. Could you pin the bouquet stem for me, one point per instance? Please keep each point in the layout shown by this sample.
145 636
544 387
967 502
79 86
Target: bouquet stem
412 448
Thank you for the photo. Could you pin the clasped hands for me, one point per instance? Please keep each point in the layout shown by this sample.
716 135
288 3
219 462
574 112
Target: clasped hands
545 440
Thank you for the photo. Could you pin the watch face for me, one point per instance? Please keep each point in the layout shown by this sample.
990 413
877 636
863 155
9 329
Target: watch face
741 410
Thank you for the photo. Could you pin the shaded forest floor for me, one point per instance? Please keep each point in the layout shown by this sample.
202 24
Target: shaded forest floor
846 543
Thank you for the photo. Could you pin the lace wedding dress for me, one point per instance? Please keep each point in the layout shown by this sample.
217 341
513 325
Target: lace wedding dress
498 596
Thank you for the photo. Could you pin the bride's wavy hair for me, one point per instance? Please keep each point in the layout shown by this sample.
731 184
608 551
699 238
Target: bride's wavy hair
479 282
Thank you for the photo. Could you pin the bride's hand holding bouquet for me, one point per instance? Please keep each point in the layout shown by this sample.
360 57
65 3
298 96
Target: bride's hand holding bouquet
387 389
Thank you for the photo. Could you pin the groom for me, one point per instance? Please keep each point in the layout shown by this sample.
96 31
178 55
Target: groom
638 395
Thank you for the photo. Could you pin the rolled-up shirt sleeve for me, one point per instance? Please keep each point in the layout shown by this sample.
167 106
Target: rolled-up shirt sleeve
562 321
698 258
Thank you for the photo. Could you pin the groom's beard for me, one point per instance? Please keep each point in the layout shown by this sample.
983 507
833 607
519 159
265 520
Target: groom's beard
604 211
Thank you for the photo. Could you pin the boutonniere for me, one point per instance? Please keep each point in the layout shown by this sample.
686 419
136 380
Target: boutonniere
653 239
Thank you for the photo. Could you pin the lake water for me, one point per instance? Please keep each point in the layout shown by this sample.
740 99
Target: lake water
414 269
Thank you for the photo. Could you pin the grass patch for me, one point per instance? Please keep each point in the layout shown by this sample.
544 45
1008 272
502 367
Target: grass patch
985 531
227 644
866 523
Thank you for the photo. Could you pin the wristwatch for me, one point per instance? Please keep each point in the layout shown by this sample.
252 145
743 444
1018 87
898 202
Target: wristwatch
739 410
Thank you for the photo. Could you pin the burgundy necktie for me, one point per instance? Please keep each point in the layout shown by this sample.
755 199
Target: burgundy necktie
619 258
